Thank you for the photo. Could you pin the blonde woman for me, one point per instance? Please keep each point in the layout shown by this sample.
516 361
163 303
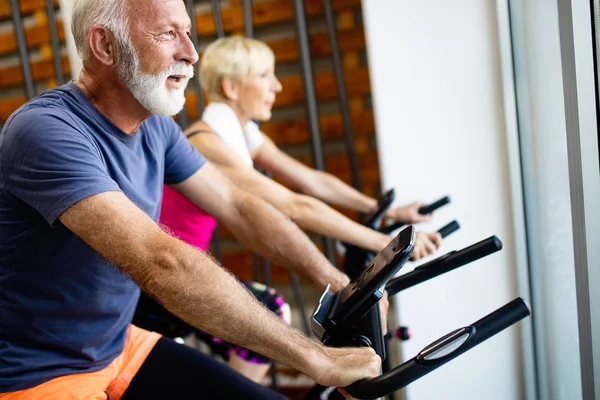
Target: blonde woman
238 75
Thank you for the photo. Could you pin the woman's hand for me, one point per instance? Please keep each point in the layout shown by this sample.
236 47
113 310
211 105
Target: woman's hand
426 243
408 214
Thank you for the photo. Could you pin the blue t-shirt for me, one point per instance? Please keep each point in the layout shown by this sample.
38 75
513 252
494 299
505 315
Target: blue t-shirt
63 308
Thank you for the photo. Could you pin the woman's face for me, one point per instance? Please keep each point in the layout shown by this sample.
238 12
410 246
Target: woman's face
256 93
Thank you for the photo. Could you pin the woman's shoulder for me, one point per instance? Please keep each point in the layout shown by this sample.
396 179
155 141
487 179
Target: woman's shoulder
198 127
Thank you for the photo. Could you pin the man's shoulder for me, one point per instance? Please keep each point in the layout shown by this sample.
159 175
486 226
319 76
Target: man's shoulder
41 110
40 124
44 122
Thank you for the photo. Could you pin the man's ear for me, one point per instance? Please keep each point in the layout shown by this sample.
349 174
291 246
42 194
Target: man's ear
102 45
230 88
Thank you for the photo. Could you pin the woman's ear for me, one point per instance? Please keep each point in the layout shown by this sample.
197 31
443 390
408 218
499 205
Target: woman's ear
102 45
230 88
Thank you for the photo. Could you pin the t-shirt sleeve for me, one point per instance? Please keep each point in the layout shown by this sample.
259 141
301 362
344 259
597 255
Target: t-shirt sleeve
49 163
254 137
182 159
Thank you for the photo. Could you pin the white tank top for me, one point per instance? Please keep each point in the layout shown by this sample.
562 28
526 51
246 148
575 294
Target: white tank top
224 122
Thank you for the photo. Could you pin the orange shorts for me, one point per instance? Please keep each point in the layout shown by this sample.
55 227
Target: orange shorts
109 383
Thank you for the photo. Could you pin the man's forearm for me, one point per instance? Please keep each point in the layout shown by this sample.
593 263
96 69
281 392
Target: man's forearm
186 280
191 285
270 233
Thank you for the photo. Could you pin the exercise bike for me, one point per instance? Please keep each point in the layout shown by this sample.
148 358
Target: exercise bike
350 317
355 257
439 266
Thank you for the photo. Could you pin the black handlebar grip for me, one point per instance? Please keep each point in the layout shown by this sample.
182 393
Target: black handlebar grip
372 219
449 228
392 227
443 264
474 252
428 209
441 351
499 320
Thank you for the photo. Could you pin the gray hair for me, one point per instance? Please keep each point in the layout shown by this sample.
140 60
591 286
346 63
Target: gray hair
112 14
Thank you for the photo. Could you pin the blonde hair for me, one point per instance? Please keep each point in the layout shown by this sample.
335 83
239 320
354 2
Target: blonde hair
231 57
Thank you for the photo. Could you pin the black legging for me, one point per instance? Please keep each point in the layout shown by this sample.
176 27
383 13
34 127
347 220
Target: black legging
176 371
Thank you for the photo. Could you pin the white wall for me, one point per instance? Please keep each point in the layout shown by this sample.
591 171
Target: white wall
66 7
436 86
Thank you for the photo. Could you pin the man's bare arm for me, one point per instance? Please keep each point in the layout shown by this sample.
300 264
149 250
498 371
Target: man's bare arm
191 285
260 226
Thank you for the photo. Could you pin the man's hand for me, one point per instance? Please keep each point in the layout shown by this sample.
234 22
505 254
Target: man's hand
408 214
338 280
425 244
341 367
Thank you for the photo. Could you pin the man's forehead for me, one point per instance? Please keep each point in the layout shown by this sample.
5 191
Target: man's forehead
159 12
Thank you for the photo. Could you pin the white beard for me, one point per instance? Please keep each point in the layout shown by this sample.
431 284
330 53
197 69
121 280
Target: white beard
151 90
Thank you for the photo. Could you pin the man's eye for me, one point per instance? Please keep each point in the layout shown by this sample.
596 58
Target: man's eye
168 34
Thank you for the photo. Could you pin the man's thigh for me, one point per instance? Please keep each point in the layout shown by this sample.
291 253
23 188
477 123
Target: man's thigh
176 371
90 386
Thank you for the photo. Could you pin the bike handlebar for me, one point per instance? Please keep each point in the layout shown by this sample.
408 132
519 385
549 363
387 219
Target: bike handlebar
372 219
428 209
443 264
449 228
441 351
